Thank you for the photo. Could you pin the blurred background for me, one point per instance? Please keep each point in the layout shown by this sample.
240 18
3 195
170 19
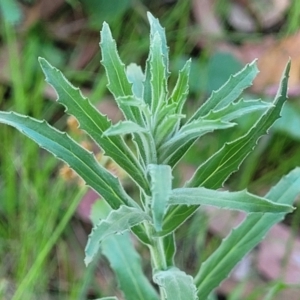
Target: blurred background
44 211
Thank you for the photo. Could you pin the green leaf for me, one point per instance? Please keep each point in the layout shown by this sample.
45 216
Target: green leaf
107 298
188 132
94 123
241 200
78 158
136 76
238 109
213 172
156 28
181 89
126 264
245 237
176 284
117 222
158 78
124 127
166 128
161 185
142 144
125 261
229 92
118 82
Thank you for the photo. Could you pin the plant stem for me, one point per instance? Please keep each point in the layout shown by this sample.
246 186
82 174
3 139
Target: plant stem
158 259
158 255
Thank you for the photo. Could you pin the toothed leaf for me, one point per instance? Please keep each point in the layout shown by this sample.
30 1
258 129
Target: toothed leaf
188 132
166 128
161 185
245 237
242 200
176 284
78 158
237 109
181 88
214 171
117 222
124 127
124 260
136 76
158 78
118 82
229 92
93 123
156 28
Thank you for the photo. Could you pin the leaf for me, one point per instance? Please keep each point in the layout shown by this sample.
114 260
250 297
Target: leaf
181 88
213 172
125 261
136 76
118 82
142 140
166 128
161 185
117 221
158 77
94 123
188 132
241 200
142 145
124 127
107 298
235 110
176 284
156 28
229 92
219 99
126 264
78 158
245 237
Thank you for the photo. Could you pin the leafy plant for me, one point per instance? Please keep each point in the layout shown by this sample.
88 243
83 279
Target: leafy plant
162 135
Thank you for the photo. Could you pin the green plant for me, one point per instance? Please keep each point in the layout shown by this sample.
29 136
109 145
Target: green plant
154 119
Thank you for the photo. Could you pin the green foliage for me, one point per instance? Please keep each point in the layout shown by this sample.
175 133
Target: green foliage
176 284
161 135
124 260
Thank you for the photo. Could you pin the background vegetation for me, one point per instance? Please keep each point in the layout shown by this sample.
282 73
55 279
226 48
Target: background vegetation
42 230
